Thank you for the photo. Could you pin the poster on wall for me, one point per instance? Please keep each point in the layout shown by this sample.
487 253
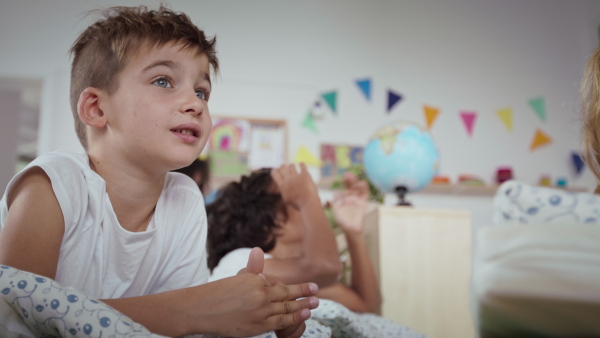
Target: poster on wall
267 142
238 145
336 159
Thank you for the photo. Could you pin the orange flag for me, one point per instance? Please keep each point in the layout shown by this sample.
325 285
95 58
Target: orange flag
540 139
431 114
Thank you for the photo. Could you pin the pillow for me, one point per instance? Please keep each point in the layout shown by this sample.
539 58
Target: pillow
518 203
46 308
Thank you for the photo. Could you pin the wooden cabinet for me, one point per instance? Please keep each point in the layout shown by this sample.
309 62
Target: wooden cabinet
422 259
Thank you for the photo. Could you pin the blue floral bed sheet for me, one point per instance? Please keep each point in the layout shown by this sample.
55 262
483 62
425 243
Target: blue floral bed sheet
35 306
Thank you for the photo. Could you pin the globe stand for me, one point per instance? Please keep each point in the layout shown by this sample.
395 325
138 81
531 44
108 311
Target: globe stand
401 192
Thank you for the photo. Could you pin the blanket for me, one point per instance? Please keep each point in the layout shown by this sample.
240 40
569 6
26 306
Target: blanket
330 319
35 306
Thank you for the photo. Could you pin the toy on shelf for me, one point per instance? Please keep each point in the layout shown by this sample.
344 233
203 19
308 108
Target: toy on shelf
545 181
504 174
470 180
441 180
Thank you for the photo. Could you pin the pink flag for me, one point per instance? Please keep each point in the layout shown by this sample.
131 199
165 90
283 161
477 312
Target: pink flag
468 118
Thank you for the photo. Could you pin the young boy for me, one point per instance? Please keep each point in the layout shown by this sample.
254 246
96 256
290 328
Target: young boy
114 222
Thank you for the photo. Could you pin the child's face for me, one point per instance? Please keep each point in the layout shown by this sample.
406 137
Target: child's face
159 113
291 230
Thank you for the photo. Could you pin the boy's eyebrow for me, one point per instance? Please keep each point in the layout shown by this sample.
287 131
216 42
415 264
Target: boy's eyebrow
166 63
173 65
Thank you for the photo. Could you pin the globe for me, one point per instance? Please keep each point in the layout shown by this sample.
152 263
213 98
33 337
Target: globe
401 157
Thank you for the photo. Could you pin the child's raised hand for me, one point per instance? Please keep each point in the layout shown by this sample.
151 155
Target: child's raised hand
349 208
295 187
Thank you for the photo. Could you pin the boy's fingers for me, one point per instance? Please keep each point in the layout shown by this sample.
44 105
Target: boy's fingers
256 261
284 321
293 306
292 332
303 167
282 293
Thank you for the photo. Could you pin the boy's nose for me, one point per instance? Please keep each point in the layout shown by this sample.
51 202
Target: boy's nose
192 104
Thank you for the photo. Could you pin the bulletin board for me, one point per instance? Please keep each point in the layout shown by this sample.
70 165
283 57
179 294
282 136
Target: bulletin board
336 159
239 145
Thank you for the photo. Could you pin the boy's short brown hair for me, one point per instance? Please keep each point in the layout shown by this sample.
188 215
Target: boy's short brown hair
101 51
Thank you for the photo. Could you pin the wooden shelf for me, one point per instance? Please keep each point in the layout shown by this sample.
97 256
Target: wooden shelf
470 190
460 189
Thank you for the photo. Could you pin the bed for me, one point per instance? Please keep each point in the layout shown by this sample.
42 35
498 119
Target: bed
537 265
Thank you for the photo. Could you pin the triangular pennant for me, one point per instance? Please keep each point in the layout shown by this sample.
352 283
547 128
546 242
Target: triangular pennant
304 155
331 99
539 140
505 115
431 114
539 106
578 163
468 119
309 122
393 98
365 87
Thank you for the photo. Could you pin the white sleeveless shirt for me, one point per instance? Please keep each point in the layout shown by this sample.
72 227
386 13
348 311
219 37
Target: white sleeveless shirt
101 258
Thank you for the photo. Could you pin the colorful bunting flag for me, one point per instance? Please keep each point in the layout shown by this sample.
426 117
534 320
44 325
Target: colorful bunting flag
331 100
365 87
540 139
578 163
393 98
304 155
468 119
539 106
309 122
505 116
431 114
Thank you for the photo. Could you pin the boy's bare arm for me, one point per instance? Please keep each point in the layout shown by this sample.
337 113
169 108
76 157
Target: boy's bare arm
239 306
34 228
319 262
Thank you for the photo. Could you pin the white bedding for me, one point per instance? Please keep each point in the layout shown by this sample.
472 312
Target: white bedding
35 306
330 319
537 268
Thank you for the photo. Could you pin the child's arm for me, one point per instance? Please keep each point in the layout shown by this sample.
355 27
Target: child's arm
349 211
34 228
319 261
238 306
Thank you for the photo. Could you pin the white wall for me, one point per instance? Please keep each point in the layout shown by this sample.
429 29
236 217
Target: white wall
277 57
10 106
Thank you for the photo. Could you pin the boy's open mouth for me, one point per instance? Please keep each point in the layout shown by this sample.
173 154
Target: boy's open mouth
186 131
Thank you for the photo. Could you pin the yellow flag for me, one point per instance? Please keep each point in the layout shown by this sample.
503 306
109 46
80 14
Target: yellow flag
304 155
506 116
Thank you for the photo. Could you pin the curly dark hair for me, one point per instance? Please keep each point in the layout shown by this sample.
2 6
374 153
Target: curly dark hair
244 215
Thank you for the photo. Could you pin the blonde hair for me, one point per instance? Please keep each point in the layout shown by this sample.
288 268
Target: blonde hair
590 109
102 50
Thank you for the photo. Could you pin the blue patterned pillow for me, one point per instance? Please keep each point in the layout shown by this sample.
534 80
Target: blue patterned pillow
518 203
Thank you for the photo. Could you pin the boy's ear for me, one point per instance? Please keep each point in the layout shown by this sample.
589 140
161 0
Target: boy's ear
88 108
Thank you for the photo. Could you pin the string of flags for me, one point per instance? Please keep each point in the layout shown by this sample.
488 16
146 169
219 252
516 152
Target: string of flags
430 113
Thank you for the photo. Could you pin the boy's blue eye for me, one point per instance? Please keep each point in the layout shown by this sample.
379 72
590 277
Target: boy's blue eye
201 94
162 82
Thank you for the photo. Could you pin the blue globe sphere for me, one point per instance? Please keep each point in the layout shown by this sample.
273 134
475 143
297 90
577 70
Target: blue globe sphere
401 154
